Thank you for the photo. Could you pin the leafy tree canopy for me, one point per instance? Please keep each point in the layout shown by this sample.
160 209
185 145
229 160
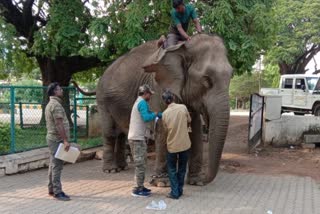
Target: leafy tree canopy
246 26
242 86
80 34
297 34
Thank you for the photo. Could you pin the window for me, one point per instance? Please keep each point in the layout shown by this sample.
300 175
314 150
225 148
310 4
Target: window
287 83
300 84
313 83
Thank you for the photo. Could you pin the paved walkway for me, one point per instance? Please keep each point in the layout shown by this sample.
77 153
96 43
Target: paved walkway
95 192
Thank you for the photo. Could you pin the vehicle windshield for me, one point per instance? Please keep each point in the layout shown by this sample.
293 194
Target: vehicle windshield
313 83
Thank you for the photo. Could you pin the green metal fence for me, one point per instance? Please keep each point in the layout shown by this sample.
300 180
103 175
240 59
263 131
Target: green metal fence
22 122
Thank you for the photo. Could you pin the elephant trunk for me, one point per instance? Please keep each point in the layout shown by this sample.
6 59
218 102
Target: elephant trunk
218 116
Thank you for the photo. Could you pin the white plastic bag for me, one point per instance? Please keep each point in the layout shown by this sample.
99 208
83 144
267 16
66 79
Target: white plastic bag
161 205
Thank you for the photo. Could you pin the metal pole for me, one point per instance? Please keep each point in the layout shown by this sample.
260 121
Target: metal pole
260 61
12 124
87 120
236 103
75 116
21 115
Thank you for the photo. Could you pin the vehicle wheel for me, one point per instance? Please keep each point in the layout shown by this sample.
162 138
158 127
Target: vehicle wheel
299 113
316 110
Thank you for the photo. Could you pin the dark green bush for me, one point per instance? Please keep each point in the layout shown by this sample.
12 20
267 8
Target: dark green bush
4 138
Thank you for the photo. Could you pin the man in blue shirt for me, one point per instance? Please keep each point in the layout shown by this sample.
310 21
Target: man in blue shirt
181 15
140 116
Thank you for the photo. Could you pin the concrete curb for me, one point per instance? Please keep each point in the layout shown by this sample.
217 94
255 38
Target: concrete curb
35 159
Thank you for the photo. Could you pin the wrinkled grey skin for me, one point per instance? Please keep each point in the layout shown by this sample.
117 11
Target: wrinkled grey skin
198 73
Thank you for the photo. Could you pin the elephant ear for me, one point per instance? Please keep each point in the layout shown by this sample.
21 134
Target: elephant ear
168 66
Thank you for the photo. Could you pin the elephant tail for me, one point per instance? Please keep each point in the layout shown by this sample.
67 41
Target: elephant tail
90 93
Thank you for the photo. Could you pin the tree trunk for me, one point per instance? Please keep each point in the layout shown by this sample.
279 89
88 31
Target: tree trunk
56 70
295 68
300 62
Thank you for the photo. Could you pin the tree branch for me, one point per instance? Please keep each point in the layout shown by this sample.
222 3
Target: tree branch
85 1
23 20
39 13
79 63
298 67
315 64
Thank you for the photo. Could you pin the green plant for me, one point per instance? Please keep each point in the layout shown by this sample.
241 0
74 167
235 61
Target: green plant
4 138
32 94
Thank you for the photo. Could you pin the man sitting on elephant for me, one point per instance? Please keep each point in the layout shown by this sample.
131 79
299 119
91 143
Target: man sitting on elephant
181 15
140 115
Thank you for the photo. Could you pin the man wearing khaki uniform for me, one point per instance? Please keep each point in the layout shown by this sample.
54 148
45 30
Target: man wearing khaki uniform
175 121
57 132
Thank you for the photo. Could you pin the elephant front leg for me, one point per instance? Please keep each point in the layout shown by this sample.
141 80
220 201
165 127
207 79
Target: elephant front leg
160 177
196 152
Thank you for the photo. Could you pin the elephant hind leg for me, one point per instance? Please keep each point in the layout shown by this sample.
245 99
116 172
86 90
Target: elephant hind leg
120 152
109 140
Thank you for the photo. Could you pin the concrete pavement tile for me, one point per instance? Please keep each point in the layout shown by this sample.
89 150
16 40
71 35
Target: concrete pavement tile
93 191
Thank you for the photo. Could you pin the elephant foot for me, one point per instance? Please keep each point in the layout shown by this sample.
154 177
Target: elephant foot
196 181
114 169
123 168
160 180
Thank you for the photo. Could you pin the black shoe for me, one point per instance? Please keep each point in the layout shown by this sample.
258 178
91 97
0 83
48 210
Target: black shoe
172 197
61 197
51 193
144 189
65 195
140 193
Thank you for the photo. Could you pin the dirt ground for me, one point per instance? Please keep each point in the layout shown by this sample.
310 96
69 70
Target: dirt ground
266 160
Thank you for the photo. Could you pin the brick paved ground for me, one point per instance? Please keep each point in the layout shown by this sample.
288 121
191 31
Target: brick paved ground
95 192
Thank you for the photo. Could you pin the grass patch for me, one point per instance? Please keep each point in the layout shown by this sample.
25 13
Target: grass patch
35 137
90 142
31 138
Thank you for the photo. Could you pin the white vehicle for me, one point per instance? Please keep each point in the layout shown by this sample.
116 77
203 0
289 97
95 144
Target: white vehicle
300 93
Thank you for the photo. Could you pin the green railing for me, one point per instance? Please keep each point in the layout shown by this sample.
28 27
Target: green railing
22 122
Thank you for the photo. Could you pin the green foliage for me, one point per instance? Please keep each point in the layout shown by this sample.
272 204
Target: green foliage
272 75
24 142
30 95
64 33
298 24
89 78
5 137
108 29
127 26
246 26
4 132
86 143
13 59
25 95
242 86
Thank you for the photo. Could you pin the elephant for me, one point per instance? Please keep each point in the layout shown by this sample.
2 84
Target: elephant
197 72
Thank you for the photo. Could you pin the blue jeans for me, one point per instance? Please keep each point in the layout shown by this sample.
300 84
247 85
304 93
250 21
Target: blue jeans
176 176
